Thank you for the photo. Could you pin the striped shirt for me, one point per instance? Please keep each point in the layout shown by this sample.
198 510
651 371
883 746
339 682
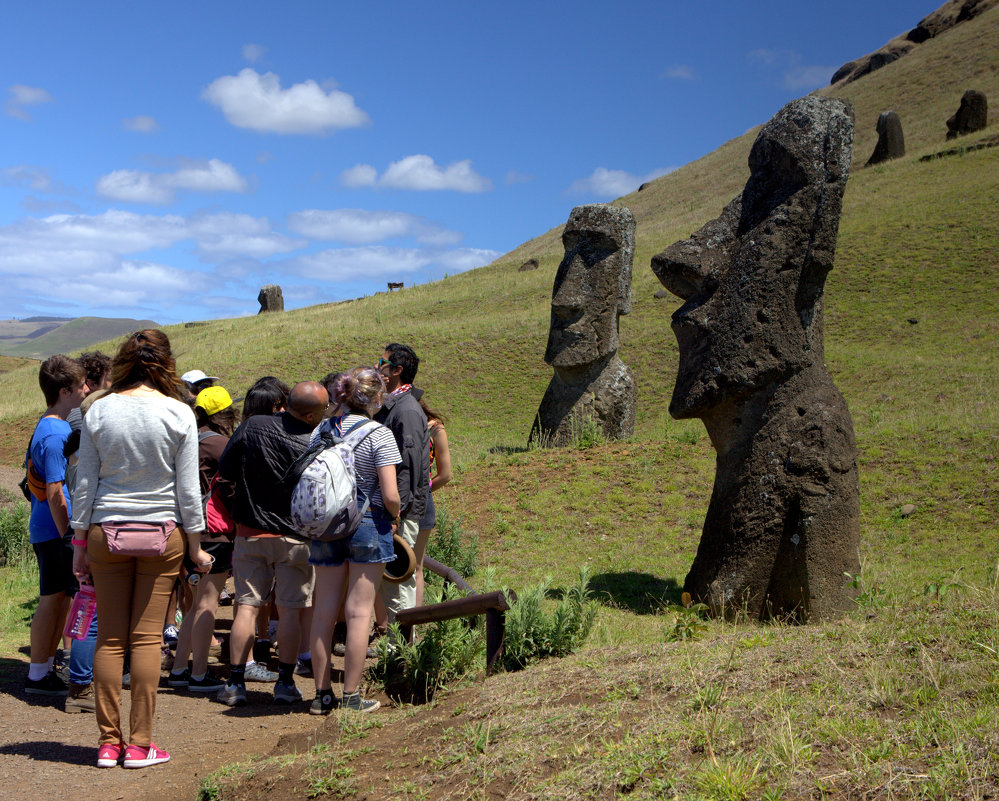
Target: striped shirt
378 449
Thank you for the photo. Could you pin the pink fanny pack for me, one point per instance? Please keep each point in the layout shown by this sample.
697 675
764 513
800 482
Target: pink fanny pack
137 538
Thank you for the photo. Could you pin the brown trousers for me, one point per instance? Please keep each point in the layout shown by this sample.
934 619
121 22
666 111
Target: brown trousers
132 597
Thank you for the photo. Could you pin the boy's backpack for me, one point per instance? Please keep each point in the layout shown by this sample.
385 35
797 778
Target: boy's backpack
218 521
32 483
324 500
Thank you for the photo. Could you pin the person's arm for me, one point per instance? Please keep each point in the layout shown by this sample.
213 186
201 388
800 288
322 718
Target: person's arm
442 458
389 488
57 505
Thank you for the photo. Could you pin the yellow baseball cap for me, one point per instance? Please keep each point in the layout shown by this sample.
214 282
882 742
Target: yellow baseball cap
213 400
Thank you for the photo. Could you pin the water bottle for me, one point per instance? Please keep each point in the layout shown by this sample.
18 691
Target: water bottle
81 613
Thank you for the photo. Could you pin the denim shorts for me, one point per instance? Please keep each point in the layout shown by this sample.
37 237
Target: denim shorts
370 544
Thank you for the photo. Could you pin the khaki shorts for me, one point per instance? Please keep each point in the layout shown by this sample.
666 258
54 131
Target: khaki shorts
258 563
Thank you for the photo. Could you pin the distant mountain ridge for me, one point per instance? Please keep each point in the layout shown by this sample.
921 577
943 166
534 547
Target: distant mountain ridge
40 337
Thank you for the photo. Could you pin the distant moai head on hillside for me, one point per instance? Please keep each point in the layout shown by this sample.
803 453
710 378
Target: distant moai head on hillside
891 142
972 115
592 286
270 299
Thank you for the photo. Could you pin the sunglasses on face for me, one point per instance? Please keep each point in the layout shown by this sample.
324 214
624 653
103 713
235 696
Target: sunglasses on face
383 362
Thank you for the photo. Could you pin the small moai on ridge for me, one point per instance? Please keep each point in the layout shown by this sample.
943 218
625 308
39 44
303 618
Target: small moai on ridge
270 299
891 142
783 523
592 289
972 115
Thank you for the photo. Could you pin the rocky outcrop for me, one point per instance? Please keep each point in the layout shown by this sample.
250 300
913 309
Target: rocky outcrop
783 523
943 19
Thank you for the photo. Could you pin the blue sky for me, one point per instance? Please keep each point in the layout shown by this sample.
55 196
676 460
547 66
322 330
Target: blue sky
165 161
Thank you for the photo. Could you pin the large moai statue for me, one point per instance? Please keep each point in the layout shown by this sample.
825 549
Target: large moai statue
783 523
270 298
972 115
891 143
592 290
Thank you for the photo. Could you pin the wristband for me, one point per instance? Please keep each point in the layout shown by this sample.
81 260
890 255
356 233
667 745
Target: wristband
81 543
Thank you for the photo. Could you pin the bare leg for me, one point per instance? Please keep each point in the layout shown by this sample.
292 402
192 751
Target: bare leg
327 602
241 636
206 604
420 549
362 587
289 634
47 625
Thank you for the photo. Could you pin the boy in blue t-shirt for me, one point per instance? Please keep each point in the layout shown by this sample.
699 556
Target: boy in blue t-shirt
63 382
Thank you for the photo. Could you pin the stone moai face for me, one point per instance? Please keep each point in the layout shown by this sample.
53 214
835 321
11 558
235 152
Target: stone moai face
752 279
592 286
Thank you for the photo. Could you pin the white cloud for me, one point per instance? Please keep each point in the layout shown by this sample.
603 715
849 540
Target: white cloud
22 175
795 75
253 52
614 183
133 186
359 175
679 72
226 234
141 124
361 227
347 264
20 96
420 173
136 186
255 101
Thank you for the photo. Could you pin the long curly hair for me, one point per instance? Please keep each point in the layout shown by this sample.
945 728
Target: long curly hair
146 357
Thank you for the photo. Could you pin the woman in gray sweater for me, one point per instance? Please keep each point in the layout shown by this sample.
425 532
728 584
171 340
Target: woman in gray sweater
138 462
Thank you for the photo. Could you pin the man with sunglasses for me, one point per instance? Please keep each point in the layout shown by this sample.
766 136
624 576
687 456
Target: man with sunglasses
402 415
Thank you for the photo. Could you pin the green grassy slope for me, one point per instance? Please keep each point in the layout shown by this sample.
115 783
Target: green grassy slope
899 699
75 335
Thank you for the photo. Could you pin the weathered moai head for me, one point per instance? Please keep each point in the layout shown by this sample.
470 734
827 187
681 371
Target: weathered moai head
752 279
270 298
891 142
972 115
592 286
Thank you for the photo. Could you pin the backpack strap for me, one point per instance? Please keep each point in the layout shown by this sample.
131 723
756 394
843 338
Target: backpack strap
203 435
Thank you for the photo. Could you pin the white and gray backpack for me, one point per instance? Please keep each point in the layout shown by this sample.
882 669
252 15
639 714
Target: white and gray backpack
324 500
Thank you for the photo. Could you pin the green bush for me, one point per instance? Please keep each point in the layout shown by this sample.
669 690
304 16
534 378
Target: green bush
532 633
14 547
450 547
447 651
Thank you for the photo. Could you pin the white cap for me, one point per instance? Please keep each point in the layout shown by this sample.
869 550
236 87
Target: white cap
194 376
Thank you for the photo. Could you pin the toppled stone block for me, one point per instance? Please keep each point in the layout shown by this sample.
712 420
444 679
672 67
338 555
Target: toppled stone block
891 142
270 299
972 115
530 264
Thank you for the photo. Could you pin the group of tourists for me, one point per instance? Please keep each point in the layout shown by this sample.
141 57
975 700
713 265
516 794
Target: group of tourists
154 488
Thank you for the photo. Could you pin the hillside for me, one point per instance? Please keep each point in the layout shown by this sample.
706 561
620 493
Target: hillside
40 337
898 700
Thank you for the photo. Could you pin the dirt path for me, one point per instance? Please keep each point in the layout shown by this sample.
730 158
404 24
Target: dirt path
45 752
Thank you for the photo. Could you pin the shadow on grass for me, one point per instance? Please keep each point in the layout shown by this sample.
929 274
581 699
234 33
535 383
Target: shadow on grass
641 593
507 450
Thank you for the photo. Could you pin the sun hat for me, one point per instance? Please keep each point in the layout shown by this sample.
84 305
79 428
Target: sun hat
213 400
194 376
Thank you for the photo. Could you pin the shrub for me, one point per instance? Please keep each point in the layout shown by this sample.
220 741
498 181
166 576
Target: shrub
449 546
533 634
447 651
14 547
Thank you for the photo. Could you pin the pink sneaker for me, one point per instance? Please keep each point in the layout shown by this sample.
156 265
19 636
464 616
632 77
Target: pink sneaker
138 757
109 754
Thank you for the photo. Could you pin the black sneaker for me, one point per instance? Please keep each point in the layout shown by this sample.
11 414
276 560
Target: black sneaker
324 703
354 702
206 684
182 679
50 684
285 693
